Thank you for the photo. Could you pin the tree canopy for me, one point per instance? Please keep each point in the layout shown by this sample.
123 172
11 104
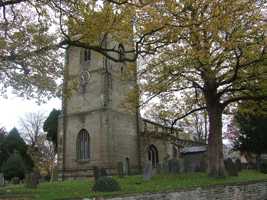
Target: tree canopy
251 121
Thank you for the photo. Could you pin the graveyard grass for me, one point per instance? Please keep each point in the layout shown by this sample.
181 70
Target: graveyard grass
130 185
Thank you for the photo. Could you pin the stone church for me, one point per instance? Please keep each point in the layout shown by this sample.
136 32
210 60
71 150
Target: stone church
95 129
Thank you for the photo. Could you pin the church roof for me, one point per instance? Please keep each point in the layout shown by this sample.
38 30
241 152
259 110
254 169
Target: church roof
194 149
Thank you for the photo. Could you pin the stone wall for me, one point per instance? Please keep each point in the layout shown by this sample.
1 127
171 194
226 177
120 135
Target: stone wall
247 191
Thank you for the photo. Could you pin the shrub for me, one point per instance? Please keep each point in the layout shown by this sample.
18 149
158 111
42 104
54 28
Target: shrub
14 167
263 167
230 167
106 184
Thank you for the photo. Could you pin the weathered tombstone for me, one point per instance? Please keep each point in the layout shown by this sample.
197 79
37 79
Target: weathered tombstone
238 164
32 180
182 169
15 180
2 180
126 167
120 169
173 166
230 167
159 168
203 164
103 172
147 171
96 173
165 167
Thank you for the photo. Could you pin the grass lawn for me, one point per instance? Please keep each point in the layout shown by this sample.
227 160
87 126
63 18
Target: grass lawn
130 185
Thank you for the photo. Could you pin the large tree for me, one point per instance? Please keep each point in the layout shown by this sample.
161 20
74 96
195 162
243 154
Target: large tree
50 126
216 52
31 127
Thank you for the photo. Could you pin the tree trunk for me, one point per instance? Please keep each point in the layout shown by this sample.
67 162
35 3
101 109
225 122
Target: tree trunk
215 146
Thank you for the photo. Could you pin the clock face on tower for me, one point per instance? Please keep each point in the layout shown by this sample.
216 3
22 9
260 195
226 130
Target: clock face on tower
84 77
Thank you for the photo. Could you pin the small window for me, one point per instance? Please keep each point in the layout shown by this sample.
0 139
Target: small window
83 145
87 55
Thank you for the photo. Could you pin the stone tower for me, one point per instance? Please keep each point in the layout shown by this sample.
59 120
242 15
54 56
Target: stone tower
95 128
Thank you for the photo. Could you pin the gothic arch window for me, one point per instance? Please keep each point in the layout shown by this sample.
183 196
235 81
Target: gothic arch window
153 155
83 145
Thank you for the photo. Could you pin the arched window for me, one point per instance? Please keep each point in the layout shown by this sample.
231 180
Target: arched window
153 155
83 145
85 56
121 53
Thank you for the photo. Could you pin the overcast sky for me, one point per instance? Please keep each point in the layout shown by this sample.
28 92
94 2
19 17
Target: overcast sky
13 108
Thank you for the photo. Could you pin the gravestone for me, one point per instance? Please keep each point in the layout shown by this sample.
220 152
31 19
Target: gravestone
126 167
120 169
160 168
165 167
2 180
230 167
96 173
32 180
15 180
238 164
147 171
173 166
103 172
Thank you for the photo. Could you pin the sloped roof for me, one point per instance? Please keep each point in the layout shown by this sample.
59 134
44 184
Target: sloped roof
194 149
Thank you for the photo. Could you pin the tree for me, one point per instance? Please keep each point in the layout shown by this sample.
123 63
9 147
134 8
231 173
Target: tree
251 120
14 167
215 51
31 127
13 143
51 125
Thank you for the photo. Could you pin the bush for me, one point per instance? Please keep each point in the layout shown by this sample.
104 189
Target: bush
263 167
14 167
106 184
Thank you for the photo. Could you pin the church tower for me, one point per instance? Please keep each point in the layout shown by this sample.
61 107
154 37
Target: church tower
95 128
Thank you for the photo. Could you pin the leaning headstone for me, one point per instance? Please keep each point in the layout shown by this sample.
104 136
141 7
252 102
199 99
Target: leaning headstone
173 166
147 171
230 167
32 180
120 169
96 173
2 180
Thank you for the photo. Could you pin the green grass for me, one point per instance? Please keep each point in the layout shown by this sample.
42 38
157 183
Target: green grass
130 185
